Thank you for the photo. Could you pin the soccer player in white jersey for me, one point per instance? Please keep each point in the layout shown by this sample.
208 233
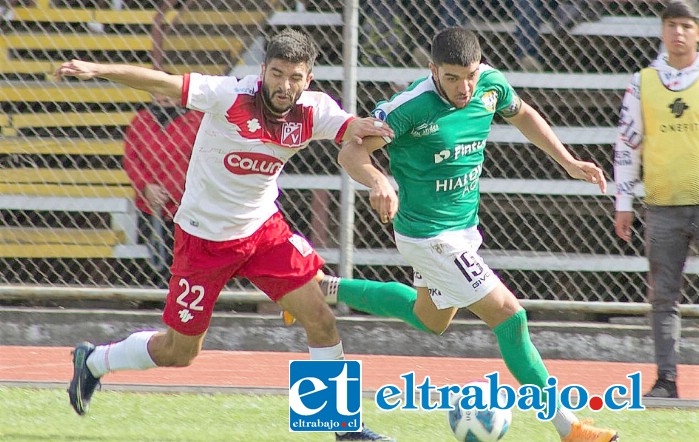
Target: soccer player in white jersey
228 224
441 124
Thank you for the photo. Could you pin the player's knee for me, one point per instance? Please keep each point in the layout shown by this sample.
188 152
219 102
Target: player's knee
182 359
321 324
435 326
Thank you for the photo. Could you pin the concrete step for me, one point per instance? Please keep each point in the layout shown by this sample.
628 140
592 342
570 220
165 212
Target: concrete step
360 335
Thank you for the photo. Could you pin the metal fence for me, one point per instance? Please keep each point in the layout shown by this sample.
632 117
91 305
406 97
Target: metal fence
66 216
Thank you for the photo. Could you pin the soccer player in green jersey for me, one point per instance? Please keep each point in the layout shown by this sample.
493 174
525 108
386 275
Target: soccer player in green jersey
441 124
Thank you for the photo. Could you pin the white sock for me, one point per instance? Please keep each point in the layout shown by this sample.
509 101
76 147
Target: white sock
327 353
129 354
563 420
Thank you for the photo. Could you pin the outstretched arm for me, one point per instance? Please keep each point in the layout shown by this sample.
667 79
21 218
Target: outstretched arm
355 158
537 130
155 82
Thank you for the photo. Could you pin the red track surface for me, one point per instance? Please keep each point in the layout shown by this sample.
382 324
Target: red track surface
248 369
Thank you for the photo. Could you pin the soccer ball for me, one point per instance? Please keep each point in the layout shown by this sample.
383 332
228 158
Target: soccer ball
478 425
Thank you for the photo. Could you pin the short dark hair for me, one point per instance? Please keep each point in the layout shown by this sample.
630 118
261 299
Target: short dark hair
681 9
292 46
456 46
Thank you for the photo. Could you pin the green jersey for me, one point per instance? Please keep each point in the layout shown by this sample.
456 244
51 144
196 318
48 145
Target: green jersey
437 153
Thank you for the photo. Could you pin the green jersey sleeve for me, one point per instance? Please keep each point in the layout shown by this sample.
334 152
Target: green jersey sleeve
508 102
399 111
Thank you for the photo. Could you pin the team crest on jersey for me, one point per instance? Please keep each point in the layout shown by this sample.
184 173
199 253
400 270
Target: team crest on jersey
291 134
490 100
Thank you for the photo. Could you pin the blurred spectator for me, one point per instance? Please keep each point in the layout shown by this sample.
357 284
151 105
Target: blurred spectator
157 147
382 39
397 34
161 27
529 15
7 12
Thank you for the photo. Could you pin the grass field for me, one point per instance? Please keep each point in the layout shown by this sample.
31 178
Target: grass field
44 415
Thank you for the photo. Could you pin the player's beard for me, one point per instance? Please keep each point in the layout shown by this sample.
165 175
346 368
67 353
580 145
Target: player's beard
276 110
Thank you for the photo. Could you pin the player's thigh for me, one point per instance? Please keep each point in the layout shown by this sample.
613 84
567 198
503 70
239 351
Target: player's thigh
667 240
282 262
431 317
498 305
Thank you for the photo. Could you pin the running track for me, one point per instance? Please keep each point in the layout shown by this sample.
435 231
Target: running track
268 371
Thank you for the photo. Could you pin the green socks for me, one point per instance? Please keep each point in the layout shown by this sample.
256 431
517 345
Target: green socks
387 299
520 355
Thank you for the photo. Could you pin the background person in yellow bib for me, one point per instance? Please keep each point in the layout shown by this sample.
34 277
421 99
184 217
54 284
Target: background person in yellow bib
659 132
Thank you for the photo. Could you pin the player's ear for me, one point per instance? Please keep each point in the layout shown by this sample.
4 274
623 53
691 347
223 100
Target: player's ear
309 78
433 69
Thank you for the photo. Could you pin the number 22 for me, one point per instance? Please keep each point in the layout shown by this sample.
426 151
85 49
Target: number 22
196 289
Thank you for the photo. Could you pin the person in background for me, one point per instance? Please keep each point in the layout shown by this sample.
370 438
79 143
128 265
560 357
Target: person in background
659 133
529 16
157 147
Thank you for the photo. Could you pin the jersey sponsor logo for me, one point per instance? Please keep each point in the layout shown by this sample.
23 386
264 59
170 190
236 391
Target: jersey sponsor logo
465 183
441 156
248 163
490 100
424 129
460 150
679 127
291 134
678 107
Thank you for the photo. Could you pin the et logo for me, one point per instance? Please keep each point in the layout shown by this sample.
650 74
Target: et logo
325 396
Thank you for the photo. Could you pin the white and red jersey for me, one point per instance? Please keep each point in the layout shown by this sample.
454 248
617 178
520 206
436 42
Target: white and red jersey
240 151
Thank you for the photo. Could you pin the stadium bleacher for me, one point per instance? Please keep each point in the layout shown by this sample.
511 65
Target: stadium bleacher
70 132
538 224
